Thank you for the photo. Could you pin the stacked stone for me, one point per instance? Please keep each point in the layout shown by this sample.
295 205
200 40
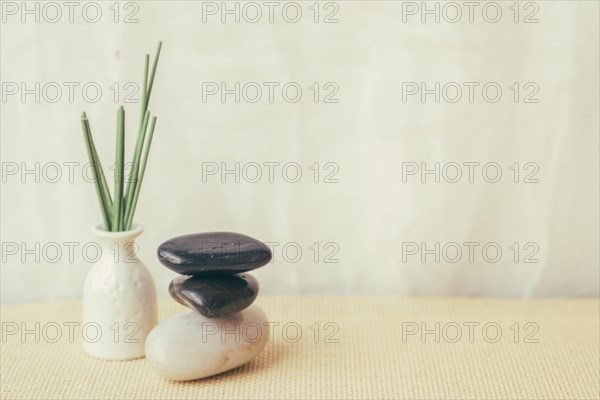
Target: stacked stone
224 330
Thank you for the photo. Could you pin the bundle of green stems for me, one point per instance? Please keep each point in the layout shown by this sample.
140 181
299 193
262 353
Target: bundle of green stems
118 209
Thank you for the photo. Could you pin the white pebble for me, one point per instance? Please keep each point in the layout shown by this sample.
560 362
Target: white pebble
191 346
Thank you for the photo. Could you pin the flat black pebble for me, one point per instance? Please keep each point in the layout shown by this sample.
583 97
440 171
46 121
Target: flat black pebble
215 295
212 252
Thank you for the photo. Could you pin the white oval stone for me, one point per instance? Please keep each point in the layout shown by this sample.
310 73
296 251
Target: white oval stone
191 346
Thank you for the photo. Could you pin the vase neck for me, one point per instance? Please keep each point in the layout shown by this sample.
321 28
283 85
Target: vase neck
121 242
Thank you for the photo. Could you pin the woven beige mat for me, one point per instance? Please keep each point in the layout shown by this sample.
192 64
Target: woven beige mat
333 347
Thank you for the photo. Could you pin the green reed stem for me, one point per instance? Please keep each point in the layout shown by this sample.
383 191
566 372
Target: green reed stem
135 167
134 183
138 186
144 116
151 81
87 137
145 89
119 170
100 173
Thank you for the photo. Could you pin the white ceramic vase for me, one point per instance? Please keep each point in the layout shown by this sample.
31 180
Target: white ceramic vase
119 299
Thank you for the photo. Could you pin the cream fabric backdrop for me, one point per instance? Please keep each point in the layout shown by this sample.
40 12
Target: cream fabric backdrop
369 216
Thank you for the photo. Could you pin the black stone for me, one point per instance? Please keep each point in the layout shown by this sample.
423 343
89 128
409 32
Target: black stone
215 295
202 253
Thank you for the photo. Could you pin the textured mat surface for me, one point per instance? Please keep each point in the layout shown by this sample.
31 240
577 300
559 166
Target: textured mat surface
333 347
